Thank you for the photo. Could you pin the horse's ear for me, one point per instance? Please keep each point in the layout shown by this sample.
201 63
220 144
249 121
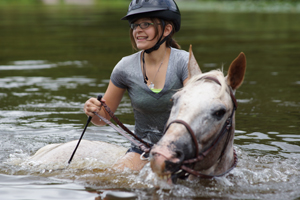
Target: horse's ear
236 71
193 66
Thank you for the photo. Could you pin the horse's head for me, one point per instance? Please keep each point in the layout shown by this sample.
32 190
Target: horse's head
199 133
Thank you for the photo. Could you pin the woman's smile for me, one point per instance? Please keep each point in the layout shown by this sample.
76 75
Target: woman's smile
144 42
141 38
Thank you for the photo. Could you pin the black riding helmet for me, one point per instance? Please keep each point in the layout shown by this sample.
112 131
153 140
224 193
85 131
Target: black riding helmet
163 9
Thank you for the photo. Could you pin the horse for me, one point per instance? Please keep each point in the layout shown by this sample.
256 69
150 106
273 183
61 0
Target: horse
199 134
197 106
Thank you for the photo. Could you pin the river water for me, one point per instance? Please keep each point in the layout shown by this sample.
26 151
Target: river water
53 58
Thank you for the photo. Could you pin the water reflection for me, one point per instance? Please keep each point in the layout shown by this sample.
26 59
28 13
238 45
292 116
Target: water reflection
38 64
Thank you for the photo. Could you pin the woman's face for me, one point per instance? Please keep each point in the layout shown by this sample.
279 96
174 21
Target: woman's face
144 37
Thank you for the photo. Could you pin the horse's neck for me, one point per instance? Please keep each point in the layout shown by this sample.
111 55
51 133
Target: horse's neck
226 160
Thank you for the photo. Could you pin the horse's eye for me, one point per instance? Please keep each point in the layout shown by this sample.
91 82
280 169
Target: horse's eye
219 113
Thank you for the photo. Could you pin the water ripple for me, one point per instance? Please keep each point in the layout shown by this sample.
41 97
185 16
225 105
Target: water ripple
38 64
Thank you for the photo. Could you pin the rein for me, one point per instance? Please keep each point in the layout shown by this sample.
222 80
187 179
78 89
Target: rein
144 146
200 156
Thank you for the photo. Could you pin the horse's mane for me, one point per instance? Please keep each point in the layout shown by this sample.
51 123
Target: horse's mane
218 74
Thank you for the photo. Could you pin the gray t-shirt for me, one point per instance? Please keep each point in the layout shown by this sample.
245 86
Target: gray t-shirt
151 110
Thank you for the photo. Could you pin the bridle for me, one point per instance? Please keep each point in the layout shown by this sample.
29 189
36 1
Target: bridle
182 169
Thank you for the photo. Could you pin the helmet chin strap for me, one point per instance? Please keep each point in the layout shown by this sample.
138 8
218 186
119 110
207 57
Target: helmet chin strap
160 41
154 48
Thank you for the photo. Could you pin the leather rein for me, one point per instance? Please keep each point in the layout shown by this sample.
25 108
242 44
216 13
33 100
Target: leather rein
200 156
144 146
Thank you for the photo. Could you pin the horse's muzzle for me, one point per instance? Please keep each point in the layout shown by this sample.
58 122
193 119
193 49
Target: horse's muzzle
167 166
175 166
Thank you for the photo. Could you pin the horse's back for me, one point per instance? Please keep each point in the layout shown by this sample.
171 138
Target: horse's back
89 153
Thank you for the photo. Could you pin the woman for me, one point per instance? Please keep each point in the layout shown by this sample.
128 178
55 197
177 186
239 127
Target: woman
151 76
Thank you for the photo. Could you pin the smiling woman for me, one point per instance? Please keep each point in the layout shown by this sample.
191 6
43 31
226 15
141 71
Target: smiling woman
151 76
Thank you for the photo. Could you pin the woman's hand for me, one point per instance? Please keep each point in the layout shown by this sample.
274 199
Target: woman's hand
113 95
92 105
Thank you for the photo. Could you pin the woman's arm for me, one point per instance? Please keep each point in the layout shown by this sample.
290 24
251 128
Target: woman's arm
112 98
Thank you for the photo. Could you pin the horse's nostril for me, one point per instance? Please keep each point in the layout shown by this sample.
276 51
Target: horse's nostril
179 155
173 165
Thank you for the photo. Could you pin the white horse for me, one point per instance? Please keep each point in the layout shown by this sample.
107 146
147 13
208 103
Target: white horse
199 135
202 104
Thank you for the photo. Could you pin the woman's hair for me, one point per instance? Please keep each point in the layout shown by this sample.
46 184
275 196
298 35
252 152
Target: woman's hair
170 42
